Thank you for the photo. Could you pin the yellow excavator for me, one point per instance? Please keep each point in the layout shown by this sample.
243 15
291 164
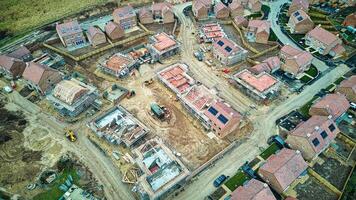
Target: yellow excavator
70 135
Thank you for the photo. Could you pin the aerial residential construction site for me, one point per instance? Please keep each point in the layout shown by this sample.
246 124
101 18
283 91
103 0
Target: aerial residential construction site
202 99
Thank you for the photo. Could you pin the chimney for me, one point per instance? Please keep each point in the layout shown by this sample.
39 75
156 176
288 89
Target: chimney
265 185
330 117
308 135
297 152
316 128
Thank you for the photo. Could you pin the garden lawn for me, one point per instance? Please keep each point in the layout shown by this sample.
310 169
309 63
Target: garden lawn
237 180
269 151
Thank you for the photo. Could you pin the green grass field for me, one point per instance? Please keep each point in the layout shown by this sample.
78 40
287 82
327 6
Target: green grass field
269 151
313 71
54 192
237 180
17 16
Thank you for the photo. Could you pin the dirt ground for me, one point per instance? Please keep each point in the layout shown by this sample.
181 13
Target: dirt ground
25 149
182 133
312 189
333 171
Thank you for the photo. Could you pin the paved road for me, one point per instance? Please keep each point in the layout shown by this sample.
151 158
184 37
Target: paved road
264 122
272 17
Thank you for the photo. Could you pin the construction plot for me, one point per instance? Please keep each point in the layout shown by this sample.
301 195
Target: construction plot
161 169
118 125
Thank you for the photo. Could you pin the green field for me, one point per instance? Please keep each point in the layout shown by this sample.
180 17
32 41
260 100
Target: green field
237 180
304 110
17 16
269 151
313 71
54 192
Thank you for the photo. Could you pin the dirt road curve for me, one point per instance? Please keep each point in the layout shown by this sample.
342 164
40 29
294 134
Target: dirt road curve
101 166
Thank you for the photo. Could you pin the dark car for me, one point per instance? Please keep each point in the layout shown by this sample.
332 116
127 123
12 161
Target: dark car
218 181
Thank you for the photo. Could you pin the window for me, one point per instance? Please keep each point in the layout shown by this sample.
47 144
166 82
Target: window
299 18
296 14
316 142
222 119
213 111
228 49
323 134
220 43
331 127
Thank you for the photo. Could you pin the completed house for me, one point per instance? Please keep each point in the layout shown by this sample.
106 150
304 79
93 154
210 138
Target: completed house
11 67
240 21
40 77
145 16
333 105
324 42
348 88
350 20
236 9
294 61
258 31
253 190
70 33
162 46
269 65
114 31
221 11
228 52
254 5
298 5
96 36
281 169
21 53
313 136
261 87
163 12
224 119
300 22
201 8
125 16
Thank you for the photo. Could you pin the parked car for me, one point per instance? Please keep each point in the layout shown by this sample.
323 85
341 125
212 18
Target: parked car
220 180
7 89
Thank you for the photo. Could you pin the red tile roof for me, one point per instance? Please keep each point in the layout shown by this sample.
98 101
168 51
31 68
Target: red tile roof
177 77
224 110
92 31
8 62
20 52
296 18
312 129
117 62
301 57
124 12
219 6
335 104
259 68
350 82
239 20
68 28
322 35
34 71
226 46
161 6
163 42
235 4
273 62
286 166
260 82
303 3
260 25
253 190
111 26
199 96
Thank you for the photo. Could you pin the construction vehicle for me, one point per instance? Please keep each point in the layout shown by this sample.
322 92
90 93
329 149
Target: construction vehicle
131 94
148 82
70 135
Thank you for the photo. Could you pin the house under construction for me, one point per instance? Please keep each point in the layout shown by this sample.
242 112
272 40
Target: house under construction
118 125
162 170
